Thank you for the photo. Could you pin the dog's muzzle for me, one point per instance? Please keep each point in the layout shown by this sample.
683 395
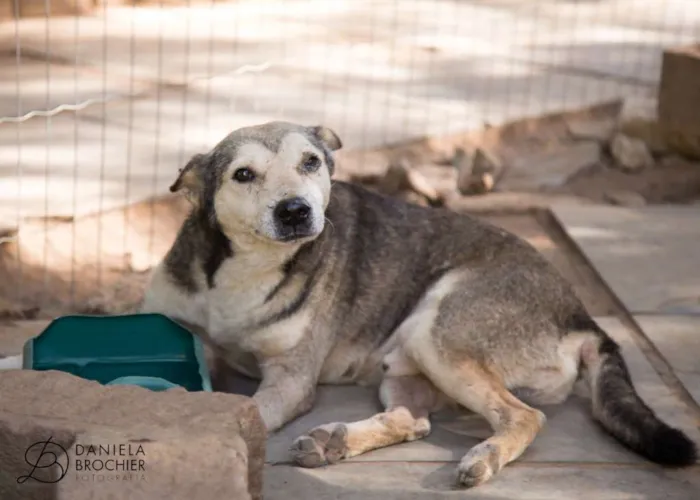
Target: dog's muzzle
293 219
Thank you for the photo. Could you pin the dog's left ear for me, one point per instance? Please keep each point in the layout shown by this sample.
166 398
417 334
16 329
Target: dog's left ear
190 177
328 137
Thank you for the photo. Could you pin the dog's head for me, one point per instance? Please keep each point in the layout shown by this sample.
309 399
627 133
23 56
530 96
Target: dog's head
271 181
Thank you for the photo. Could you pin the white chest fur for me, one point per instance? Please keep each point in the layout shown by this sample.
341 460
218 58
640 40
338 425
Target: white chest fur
240 307
243 285
238 312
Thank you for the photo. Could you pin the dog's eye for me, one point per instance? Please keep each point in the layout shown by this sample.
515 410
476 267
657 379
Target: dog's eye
311 163
244 175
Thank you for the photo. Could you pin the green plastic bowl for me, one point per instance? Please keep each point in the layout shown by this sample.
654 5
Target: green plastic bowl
148 350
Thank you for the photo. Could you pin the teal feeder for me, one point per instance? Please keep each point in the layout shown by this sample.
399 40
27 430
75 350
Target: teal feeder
148 350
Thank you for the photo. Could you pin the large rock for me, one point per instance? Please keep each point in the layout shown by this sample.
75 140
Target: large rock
478 174
679 92
600 129
173 444
631 154
551 167
624 198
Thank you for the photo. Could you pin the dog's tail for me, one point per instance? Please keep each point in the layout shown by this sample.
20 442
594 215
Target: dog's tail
620 410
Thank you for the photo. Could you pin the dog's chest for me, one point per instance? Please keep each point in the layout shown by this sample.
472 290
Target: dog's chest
247 296
242 289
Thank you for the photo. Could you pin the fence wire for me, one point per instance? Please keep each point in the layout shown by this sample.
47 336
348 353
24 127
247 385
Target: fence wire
102 102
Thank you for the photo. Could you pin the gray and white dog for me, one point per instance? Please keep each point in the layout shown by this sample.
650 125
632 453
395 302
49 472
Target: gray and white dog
298 280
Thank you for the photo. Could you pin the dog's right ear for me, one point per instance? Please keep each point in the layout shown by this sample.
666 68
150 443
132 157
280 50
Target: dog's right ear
328 137
190 177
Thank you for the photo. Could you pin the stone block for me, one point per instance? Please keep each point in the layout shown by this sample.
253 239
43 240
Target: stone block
172 444
679 91
679 95
631 154
182 466
550 168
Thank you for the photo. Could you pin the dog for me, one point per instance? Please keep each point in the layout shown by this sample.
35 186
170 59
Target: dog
297 280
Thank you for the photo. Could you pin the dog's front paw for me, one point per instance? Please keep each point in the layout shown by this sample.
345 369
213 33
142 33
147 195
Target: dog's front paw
326 444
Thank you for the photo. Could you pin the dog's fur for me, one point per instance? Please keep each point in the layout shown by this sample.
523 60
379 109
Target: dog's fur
433 306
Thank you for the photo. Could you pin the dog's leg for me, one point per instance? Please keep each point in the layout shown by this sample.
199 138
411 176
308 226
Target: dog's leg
283 395
287 388
408 400
515 424
478 389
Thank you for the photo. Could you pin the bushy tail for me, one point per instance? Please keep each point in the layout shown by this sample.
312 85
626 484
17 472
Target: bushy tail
620 410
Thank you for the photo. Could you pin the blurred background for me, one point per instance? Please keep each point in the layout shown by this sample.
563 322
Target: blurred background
498 107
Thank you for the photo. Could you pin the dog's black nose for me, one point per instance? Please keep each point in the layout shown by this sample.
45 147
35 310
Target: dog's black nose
292 212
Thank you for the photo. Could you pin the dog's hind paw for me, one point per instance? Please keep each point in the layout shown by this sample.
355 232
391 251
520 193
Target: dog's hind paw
324 445
473 475
478 466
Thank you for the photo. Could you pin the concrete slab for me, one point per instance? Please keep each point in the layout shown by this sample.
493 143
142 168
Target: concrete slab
647 256
434 481
570 434
678 340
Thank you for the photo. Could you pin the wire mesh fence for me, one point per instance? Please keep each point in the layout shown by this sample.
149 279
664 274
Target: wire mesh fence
101 103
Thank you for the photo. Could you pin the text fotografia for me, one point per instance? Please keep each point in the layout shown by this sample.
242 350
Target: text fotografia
113 462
